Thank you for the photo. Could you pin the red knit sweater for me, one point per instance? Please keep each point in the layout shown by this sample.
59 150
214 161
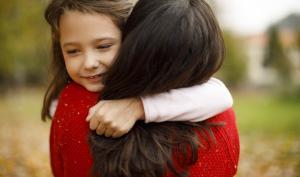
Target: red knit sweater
69 150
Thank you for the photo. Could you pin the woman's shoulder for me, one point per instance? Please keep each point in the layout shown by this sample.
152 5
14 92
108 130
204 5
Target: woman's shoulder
225 116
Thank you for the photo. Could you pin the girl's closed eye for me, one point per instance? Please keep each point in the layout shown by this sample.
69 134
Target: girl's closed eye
104 46
72 51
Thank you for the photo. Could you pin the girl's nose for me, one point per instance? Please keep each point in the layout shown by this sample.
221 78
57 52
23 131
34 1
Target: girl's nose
91 61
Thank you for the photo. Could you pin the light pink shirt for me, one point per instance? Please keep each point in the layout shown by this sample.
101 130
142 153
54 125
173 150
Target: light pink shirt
193 104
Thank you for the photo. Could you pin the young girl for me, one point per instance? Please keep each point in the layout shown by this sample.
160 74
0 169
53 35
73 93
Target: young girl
82 68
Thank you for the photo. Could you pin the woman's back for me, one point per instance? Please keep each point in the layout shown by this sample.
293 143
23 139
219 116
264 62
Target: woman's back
220 159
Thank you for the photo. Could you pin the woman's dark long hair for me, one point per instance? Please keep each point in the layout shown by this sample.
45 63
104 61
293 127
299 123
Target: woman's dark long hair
167 44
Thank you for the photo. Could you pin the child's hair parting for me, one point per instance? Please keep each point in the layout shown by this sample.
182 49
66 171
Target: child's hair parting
167 44
118 10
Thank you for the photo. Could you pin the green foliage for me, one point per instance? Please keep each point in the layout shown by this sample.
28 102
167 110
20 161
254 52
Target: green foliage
268 115
234 68
276 56
25 42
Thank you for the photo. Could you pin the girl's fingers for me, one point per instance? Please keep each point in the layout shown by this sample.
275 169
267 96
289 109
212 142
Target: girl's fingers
108 132
94 109
100 129
118 134
94 123
89 116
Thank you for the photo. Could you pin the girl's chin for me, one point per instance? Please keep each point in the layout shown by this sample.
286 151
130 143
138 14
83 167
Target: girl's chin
94 88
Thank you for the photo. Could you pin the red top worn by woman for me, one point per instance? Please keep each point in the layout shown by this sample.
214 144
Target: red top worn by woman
71 157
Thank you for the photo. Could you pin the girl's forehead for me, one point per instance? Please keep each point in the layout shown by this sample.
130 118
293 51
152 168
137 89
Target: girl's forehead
76 25
80 17
77 18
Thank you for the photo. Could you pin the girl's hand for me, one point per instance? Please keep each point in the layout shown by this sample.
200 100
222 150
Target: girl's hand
114 118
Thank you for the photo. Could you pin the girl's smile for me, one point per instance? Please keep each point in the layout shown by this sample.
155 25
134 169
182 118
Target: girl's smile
94 78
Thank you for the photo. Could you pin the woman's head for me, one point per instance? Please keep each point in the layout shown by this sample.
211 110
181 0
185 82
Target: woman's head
86 35
167 44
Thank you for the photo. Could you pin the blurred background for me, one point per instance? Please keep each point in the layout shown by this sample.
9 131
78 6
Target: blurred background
262 70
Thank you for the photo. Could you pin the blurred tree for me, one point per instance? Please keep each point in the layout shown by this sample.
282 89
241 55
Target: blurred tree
24 45
5 65
276 57
234 68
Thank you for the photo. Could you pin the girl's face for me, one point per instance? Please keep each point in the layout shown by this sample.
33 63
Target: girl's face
89 44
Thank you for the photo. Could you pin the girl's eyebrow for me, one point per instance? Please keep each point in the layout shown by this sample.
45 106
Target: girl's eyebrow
105 39
94 41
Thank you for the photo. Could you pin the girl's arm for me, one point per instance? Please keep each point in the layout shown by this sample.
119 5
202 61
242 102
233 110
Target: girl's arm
116 117
194 104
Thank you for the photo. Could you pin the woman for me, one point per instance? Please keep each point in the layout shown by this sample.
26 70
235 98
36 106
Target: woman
167 44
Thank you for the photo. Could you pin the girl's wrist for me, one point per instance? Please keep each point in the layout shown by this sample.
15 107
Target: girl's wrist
139 108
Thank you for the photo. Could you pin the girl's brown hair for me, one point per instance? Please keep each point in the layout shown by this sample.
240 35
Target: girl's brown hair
167 44
118 10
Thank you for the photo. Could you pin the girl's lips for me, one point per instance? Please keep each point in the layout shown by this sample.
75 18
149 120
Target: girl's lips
96 78
92 77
